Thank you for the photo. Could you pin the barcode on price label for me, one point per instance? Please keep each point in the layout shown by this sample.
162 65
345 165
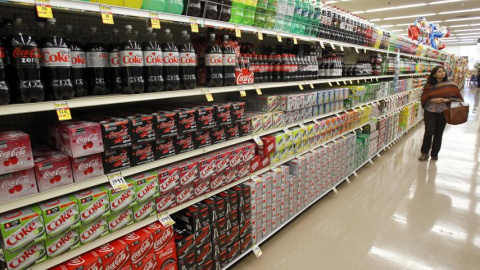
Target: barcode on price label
165 219
258 140
117 181
256 249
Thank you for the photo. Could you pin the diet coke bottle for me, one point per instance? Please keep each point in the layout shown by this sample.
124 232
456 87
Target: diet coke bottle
4 91
78 72
24 68
228 63
188 62
213 63
131 63
153 59
97 64
171 63
114 77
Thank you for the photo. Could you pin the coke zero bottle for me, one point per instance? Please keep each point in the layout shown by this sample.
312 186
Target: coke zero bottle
226 10
24 68
114 77
193 8
211 9
170 63
97 64
228 68
4 91
188 62
131 63
153 61
213 63
78 72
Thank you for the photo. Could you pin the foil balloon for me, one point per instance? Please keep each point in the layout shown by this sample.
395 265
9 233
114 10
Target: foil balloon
428 33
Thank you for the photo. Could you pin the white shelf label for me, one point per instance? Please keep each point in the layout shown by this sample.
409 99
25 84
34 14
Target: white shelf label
257 251
165 219
117 181
258 140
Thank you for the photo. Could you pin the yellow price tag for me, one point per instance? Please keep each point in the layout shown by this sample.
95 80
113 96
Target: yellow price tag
260 35
258 140
243 93
238 32
300 86
155 23
259 91
117 181
279 38
63 111
107 15
295 40
165 219
44 9
311 86
208 95
258 252
194 27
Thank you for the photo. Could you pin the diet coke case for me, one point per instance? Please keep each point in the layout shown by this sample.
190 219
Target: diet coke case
62 243
26 257
93 203
143 210
139 243
222 160
142 153
94 230
77 138
121 199
185 193
116 131
145 184
60 215
15 152
218 180
189 172
207 166
120 220
168 178
185 143
165 147
201 187
166 200
52 170
17 185
114 255
193 218
87 167
22 227
116 160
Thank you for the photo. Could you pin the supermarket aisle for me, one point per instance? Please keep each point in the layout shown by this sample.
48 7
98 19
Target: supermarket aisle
398 214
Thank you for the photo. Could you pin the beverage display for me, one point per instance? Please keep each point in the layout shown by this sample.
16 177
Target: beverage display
131 63
174 6
211 9
153 61
97 64
249 12
193 8
226 10
4 89
214 63
228 63
171 62
188 62
114 74
78 71
238 9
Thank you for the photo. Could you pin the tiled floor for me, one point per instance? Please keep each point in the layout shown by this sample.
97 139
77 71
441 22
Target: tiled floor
399 213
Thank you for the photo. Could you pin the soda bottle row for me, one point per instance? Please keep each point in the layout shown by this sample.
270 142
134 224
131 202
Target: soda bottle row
330 67
283 68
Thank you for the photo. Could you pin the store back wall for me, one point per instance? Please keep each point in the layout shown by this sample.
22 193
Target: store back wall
472 51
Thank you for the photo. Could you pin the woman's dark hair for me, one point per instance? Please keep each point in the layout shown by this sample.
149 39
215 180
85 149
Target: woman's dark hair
431 78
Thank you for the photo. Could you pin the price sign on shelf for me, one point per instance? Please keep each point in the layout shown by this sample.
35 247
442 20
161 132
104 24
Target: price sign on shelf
208 95
258 90
107 15
165 219
295 40
154 20
260 35
63 111
238 32
243 93
117 181
258 140
44 9
257 251
194 25
300 86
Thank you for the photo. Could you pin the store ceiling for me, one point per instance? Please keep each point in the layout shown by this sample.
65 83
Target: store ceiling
461 17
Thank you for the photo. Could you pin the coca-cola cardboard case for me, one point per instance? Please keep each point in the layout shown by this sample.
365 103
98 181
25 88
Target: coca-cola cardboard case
15 152
168 178
139 243
207 166
165 124
52 169
189 172
114 255
203 138
116 131
166 200
62 243
232 132
120 220
147 263
185 143
116 160
184 241
77 138
219 134
238 111
194 217
93 204
17 185
121 199
167 257
143 210
142 153
205 116
26 257
87 167
89 260
245 127
204 254
22 227
165 147
60 215
146 185
142 129
94 230
161 235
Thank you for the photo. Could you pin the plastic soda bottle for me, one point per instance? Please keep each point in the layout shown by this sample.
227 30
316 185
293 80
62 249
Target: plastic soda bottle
249 13
271 14
260 13
174 6
131 63
238 8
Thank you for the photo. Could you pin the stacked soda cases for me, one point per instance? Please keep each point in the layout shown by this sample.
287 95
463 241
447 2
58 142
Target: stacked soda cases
213 232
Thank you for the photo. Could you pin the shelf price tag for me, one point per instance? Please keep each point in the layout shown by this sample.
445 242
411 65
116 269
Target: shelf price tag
258 140
322 45
300 86
243 93
258 90
63 111
107 15
279 38
260 35
287 131
311 86
165 219
117 181
208 95
257 251
256 179
331 45
155 21
44 9
295 41
238 32
194 25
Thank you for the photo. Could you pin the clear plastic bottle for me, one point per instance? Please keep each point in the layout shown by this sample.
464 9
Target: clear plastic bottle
131 63
78 72
97 64
188 62
153 62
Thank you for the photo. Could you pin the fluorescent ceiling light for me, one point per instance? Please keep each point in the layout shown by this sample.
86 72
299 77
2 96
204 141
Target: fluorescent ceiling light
435 21
459 11
331 2
409 16
444 2
398 30
358 12
458 25
467 30
386 26
463 19
397 7
469 34
403 24
375 20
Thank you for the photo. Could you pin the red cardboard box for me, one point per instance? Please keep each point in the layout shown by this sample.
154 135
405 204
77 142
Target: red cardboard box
140 243
114 255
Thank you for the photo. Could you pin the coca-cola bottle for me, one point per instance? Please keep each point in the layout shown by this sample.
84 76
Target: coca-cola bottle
55 64
226 10
153 61
131 63
171 62
228 68
193 8
256 68
114 73
213 63
4 91
24 68
78 72
211 9
97 64
188 62
285 75
278 68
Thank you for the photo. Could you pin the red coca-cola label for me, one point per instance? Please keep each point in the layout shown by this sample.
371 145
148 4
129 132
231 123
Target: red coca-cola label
26 55
213 59
244 77
184 194
153 58
131 58
202 187
56 57
188 59
171 59
78 59
114 59
162 235
229 59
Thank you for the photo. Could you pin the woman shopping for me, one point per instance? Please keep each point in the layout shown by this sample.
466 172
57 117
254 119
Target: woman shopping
437 95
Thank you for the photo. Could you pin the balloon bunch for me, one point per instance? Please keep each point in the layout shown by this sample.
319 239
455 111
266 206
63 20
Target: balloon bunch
428 33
